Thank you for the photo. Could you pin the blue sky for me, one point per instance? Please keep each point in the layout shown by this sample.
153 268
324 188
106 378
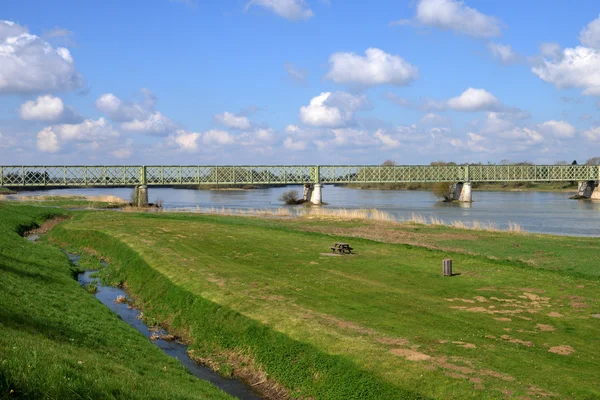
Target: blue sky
298 81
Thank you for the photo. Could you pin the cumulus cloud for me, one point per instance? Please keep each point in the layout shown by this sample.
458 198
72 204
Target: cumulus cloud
455 15
526 135
593 134
44 108
551 50
292 129
154 124
590 34
231 120
29 64
331 109
386 140
288 9
291 144
376 68
47 108
47 141
86 131
217 137
137 117
558 129
122 153
474 100
503 53
496 122
577 68
185 140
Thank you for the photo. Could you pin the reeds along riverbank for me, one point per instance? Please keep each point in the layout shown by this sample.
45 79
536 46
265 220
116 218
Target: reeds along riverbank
355 214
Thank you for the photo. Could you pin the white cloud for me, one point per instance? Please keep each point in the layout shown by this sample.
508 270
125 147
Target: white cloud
118 110
290 144
217 137
292 129
387 140
44 108
526 135
231 120
496 122
593 134
185 140
375 68
122 153
503 52
577 68
264 135
590 35
88 130
434 119
154 124
289 9
474 100
558 129
138 117
331 109
47 141
29 64
551 50
456 16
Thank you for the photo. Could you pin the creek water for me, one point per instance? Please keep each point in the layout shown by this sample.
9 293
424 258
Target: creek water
107 296
541 212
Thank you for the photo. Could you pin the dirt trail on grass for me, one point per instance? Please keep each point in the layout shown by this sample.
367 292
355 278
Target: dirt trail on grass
46 226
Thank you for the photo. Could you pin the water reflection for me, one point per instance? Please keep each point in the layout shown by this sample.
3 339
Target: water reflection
544 212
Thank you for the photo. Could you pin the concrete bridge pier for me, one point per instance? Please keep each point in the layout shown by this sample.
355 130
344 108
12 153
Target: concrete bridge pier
141 196
308 190
316 197
462 191
588 190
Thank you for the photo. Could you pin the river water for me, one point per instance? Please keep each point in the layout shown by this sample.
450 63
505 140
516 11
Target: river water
542 212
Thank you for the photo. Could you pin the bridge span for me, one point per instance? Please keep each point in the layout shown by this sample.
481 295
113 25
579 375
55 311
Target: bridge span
311 176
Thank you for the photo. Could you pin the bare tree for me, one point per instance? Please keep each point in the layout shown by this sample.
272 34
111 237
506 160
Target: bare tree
593 161
389 163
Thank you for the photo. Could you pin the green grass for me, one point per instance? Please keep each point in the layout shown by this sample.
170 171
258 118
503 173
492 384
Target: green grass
58 342
6 191
380 324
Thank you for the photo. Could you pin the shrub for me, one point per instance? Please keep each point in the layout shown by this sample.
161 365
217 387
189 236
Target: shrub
444 190
290 197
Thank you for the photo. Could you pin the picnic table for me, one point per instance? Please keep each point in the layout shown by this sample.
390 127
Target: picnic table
342 248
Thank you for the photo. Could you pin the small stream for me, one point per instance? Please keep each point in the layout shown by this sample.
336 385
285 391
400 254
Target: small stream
108 294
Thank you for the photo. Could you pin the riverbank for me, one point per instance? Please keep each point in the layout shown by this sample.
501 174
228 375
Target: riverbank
264 297
57 341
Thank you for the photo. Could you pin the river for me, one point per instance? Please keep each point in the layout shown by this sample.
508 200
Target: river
541 212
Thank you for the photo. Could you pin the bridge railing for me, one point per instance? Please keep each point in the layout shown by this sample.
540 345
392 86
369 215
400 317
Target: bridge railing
122 175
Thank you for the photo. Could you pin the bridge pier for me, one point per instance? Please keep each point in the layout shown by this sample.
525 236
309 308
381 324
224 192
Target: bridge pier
588 190
316 197
308 190
141 196
462 191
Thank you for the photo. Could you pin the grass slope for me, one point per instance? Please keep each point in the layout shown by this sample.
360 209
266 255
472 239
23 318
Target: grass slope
59 342
381 320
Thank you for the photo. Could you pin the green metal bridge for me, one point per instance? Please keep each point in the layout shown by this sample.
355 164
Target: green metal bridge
153 175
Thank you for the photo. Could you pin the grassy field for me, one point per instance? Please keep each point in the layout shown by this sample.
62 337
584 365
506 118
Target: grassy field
261 297
58 342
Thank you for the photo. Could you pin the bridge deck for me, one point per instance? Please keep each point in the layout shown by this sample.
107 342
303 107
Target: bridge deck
121 175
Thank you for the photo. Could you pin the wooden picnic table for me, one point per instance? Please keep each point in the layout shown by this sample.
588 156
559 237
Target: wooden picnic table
342 248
